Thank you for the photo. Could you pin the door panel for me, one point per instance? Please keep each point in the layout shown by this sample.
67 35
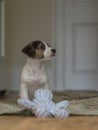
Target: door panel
84 48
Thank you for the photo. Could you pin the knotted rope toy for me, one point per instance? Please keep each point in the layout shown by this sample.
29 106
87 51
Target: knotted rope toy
43 106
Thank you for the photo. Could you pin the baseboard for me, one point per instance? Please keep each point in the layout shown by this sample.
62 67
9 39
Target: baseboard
3 92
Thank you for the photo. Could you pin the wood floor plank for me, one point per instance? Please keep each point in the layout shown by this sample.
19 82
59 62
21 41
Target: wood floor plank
31 123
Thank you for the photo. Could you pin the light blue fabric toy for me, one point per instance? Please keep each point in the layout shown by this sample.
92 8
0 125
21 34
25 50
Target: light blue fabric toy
43 106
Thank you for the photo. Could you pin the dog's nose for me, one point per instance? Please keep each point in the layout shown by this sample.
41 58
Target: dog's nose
54 51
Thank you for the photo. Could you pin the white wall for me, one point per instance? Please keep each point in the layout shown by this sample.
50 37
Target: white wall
26 20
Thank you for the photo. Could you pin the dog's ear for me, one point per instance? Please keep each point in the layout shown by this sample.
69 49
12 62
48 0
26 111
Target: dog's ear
29 50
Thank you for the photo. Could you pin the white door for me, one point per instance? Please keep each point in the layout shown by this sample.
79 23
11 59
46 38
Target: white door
77 44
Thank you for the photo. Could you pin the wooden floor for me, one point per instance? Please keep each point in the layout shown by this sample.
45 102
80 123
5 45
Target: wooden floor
31 123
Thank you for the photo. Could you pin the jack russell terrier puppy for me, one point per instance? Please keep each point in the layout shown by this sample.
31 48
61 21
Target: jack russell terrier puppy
33 74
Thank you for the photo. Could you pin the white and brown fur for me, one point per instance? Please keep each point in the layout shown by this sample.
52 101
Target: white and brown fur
33 74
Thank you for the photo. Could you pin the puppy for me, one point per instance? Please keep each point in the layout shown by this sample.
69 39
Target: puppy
33 74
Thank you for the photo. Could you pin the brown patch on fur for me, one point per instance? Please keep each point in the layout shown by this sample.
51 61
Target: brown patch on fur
39 53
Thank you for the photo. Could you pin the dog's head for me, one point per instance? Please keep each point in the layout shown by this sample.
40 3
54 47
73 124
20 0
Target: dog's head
39 50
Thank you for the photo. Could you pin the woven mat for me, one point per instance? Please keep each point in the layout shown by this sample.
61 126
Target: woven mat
81 103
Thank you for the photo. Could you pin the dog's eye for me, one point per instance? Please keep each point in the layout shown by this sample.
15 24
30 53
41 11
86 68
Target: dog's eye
42 47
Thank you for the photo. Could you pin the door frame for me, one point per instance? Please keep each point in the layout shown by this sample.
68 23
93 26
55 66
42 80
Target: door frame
2 27
58 33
